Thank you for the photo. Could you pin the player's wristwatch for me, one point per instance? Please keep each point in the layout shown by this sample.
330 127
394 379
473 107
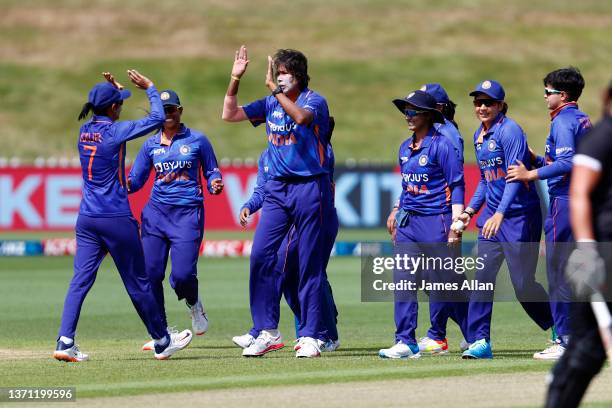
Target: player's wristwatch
277 90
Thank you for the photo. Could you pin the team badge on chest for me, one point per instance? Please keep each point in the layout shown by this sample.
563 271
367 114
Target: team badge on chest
423 160
185 150
491 145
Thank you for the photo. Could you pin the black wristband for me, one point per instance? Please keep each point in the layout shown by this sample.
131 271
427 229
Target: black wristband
471 214
277 90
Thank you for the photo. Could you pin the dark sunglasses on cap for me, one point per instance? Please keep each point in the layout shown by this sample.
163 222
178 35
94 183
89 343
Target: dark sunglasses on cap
548 92
411 113
486 102
170 109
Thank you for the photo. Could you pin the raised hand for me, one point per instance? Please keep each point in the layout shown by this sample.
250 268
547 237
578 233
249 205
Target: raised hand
270 82
111 79
240 62
139 80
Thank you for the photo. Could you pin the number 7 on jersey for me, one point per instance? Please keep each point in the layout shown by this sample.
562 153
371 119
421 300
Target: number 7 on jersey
91 158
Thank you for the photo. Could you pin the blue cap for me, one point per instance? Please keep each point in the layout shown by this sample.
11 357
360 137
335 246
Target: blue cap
169 98
437 92
491 88
422 101
104 94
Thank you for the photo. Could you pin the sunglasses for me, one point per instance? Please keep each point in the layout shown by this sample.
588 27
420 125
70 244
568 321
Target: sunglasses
170 109
486 102
548 92
411 113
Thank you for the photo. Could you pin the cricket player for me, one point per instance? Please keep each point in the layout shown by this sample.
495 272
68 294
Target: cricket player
562 88
299 192
432 184
589 267
511 222
173 219
105 223
435 342
287 266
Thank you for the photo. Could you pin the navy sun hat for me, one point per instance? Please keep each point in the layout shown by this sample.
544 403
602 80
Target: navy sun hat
104 94
437 92
491 88
170 98
421 101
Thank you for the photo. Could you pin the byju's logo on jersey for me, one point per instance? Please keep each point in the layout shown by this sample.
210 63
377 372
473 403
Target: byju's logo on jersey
491 145
277 114
159 150
185 150
423 160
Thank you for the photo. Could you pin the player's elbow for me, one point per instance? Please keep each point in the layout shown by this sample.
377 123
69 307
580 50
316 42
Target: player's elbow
303 119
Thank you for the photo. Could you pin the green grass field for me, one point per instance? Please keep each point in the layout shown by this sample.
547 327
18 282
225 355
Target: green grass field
109 329
362 54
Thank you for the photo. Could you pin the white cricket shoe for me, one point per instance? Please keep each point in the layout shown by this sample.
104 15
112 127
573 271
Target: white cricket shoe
309 348
176 343
199 319
150 345
65 352
243 341
268 340
400 350
298 344
551 353
330 345
433 347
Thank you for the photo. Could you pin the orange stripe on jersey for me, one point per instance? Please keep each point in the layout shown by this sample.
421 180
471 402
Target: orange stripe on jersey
321 147
121 164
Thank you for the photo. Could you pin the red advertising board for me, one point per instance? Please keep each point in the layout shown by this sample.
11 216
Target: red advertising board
47 199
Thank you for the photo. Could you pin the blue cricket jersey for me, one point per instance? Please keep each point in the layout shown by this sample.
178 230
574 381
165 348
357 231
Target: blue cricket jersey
503 144
449 130
256 200
294 150
568 125
432 175
102 152
177 167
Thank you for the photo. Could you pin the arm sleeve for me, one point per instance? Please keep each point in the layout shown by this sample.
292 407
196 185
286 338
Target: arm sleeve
564 143
540 161
256 200
452 170
514 143
256 111
139 174
131 129
208 160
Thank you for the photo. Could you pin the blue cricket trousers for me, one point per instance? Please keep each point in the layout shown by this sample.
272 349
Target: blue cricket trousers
517 241
118 236
427 235
178 231
558 233
287 268
304 203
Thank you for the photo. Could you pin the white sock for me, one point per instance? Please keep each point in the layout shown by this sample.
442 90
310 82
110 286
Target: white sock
66 340
272 332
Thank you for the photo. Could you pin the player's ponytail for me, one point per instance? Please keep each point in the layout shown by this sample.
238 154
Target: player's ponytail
85 111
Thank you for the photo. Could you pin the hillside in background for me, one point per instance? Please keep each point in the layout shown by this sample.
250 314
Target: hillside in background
362 54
